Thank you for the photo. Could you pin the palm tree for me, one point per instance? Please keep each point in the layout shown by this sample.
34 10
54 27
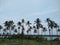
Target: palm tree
8 25
23 21
51 26
19 25
37 22
38 26
22 33
0 28
29 27
44 30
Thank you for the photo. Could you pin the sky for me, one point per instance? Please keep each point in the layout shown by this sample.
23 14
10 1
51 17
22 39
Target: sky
29 10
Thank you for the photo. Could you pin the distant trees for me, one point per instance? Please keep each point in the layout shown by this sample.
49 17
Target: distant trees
21 27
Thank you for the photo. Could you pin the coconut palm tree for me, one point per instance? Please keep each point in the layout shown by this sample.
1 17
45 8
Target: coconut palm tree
29 27
38 26
22 33
37 22
23 21
51 26
44 30
8 25
0 28
19 27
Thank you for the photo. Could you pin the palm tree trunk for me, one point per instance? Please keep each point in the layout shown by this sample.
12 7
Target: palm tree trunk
38 34
50 37
57 34
10 33
18 31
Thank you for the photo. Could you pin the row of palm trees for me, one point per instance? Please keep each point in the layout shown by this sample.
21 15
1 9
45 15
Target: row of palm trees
9 26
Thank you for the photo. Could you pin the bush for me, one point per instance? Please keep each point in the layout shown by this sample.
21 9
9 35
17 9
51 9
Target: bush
57 39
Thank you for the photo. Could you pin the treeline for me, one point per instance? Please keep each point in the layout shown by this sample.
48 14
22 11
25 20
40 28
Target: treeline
9 26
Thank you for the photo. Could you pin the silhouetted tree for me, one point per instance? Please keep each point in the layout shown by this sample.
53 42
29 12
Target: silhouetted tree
0 27
8 25
29 27
37 22
23 21
19 27
51 26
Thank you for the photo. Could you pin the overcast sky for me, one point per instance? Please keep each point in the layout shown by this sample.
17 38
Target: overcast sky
29 10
